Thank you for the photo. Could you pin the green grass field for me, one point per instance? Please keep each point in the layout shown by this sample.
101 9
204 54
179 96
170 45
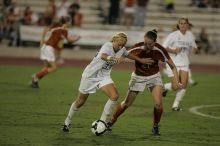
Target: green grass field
34 116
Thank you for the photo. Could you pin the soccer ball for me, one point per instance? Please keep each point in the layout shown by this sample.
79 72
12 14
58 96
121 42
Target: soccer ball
98 127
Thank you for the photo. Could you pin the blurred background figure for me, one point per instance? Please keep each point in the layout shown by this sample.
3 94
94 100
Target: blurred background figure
199 3
140 12
169 5
50 12
113 11
62 8
29 16
11 24
128 12
75 14
203 41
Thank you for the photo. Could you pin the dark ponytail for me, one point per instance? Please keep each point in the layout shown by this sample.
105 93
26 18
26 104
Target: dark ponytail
152 34
64 19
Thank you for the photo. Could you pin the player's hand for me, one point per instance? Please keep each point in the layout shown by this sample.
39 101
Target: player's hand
74 38
180 85
177 50
148 61
77 38
118 60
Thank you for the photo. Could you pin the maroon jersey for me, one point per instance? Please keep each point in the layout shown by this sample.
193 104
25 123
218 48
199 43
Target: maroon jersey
158 53
56 35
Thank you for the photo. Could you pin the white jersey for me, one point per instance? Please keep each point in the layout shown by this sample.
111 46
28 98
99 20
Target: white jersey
101 68
186 42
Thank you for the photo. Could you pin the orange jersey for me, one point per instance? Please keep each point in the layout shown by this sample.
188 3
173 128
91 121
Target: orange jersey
130 3
158 53
55 37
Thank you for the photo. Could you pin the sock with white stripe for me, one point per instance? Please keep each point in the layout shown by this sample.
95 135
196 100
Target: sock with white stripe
72 111
191 81
109 107
179 97
168 86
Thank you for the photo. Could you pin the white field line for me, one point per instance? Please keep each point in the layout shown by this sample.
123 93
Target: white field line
195 110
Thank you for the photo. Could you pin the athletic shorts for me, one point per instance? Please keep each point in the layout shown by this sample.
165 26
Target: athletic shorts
169 72
47 53
138 83
90 85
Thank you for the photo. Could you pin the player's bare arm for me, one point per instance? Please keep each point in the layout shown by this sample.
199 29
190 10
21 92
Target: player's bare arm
106 57
73 39
195 50
141 60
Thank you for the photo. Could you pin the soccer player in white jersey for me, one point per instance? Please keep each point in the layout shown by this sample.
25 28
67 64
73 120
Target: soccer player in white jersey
97 76
179 44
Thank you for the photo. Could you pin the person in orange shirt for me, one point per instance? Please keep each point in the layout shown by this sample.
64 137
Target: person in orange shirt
51 40
74 11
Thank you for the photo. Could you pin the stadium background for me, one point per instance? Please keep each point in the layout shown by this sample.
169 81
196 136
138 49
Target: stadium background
95 29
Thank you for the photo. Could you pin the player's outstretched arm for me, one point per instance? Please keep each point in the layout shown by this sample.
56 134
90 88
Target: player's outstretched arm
73 39
141 60
106 57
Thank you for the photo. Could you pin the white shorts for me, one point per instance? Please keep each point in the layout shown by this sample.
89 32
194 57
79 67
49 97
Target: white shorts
47 53
90 85
169 72
138 83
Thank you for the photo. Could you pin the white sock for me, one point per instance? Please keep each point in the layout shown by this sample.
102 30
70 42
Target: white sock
168 86
109 107
191 81
72 111
179 97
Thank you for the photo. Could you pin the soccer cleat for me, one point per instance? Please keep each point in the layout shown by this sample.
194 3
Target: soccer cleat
194 83
155 130
176 109
66 128
34 82
109 126
164 94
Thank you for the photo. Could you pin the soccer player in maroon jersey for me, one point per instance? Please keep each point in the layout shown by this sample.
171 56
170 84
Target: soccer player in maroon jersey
147 76
51 48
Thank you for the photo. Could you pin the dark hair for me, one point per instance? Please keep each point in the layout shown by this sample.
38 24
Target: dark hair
64 19
152 34
55 23
76 6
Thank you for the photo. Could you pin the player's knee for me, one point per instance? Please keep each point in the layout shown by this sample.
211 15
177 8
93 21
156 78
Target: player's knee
158 106
54 68
184 86
114 97
79 103
125 105
175 88
128 103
